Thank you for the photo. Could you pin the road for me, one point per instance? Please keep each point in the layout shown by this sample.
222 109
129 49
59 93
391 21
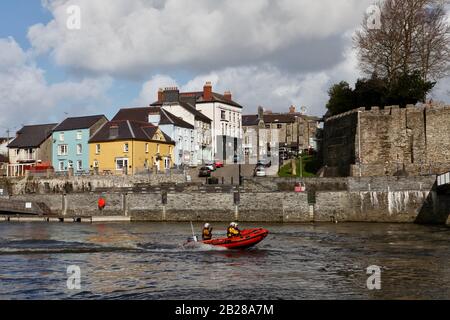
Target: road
230 173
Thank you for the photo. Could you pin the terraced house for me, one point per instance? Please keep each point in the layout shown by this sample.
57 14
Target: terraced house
179 131
32 146
130 147
71 143
218 118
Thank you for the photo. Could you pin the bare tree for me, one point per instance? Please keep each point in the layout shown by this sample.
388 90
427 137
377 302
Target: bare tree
413 35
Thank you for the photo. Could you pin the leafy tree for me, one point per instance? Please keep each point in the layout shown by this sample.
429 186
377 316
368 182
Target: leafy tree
403 90
341 98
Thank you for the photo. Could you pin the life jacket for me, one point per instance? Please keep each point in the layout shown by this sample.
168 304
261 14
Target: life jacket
207 234
233 232
101 203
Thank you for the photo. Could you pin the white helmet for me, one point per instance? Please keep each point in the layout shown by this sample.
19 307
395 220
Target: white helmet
207 225
233 224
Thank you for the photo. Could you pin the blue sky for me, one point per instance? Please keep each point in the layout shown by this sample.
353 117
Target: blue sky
272 54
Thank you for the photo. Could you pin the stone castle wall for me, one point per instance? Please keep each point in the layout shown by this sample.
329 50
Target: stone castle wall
389 141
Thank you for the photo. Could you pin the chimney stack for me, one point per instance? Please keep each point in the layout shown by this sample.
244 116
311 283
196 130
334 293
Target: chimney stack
207 91
160 95
292 109
227 95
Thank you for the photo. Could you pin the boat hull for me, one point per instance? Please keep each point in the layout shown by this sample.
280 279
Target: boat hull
247 239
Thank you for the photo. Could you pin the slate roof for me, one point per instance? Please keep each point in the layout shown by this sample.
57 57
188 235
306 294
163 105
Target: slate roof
128 130
77 123
32 136
216 97
197 97
141 114
250 120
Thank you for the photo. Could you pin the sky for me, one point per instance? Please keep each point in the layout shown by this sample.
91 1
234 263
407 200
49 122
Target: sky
267 53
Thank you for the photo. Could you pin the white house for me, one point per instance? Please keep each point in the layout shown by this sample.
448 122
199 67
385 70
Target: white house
224 113
186 111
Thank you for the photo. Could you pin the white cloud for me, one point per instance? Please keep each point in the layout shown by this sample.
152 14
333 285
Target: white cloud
266 85
27 98
132 37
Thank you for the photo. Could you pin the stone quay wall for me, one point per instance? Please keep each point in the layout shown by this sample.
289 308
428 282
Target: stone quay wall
367 199
389 141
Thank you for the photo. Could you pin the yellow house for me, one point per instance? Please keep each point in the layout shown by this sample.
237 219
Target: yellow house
130 147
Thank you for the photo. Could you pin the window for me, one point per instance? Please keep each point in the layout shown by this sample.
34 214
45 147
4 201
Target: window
70 165
121 163
157 148
95 164
267 126
61 166
79 149
222 115
79 135
62 150
61 136
97 149
146 148
79 165
125 147
279 126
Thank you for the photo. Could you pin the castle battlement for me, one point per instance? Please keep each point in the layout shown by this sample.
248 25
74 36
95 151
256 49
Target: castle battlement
390 110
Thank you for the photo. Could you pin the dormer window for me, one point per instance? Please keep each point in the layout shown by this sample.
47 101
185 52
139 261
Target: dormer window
61 136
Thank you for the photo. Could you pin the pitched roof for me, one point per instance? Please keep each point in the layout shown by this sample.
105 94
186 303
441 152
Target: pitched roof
250 120
79 123
198 115
197 97
279 118
141 114
169 118
216 97
127 130
187 106
32 136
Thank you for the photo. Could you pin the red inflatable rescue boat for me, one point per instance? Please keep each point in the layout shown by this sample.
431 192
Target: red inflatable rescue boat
247 239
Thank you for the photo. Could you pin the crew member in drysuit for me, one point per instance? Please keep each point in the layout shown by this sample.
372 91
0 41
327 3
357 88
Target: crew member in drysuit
207 232
233 230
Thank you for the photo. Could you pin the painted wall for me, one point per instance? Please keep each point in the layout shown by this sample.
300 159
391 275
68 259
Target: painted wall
231 127
43 153
71 140
138 159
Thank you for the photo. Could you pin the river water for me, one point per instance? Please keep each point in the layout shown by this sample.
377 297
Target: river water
147 261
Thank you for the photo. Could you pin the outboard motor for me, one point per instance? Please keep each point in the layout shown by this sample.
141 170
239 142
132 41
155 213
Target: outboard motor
192 239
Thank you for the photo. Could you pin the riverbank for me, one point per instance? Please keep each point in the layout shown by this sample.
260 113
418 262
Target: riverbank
381 199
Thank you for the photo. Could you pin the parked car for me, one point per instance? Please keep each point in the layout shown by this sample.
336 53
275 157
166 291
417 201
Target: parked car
211 166
204 172
218 163
264 163
260 172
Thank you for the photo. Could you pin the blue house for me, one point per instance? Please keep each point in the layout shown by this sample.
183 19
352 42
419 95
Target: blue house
71 143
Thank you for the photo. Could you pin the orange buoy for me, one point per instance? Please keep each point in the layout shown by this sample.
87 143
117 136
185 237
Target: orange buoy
101 203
